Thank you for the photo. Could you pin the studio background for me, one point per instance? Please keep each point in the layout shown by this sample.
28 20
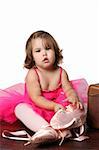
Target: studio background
73 23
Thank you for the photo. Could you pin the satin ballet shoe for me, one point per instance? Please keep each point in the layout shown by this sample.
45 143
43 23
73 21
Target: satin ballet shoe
45 135
69 118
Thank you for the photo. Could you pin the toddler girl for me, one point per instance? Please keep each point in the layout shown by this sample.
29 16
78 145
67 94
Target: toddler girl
46 90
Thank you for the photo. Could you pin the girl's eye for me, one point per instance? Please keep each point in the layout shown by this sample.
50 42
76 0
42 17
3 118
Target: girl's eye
37 50
48 48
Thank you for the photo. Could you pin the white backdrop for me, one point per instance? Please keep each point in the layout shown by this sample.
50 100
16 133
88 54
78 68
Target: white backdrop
73 23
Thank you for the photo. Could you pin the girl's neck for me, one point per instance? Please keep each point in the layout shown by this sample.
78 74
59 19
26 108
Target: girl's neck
46 70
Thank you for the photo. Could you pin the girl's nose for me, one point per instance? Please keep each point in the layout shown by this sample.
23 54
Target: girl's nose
44 53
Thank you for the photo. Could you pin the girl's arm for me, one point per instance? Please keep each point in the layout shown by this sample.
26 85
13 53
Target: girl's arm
34 92
69 91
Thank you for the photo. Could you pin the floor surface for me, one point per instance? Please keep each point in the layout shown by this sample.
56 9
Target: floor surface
90 144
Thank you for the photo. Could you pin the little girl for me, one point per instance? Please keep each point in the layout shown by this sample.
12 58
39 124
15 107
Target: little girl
46 89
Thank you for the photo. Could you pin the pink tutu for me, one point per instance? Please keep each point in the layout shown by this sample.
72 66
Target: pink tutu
16 94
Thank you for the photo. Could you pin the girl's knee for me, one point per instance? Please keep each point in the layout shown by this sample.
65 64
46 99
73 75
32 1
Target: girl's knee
21 107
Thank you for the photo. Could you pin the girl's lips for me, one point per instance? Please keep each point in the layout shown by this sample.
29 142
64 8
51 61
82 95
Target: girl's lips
45 60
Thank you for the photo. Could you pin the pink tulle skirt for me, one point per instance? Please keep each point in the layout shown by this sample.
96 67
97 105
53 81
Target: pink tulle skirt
16 94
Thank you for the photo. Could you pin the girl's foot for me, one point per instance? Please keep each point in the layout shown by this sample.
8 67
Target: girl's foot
45 135
49 135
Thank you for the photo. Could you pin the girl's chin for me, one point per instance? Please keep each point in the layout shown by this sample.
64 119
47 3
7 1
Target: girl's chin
46 66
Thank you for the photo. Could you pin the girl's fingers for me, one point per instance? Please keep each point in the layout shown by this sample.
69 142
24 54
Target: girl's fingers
78 105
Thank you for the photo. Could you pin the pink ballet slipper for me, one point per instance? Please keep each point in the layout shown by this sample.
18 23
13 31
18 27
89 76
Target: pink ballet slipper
69 118
49 135
45 135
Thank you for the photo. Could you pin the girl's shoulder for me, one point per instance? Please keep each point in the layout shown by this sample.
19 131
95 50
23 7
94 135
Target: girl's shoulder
64 73
31 75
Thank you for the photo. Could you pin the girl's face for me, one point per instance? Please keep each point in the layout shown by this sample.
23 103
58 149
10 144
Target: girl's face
43 57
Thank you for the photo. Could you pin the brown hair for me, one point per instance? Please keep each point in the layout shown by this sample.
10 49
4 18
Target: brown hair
49 42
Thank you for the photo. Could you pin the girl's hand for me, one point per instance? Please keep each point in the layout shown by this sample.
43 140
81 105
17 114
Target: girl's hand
58 106
76 102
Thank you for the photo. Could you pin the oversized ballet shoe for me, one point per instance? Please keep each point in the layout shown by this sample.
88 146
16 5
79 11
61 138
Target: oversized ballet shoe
45 135
48 135
69 118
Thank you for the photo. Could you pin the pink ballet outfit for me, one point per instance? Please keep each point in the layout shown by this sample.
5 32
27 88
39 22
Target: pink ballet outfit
14 95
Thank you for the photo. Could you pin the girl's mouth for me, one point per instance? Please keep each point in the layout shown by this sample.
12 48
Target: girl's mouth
45 60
